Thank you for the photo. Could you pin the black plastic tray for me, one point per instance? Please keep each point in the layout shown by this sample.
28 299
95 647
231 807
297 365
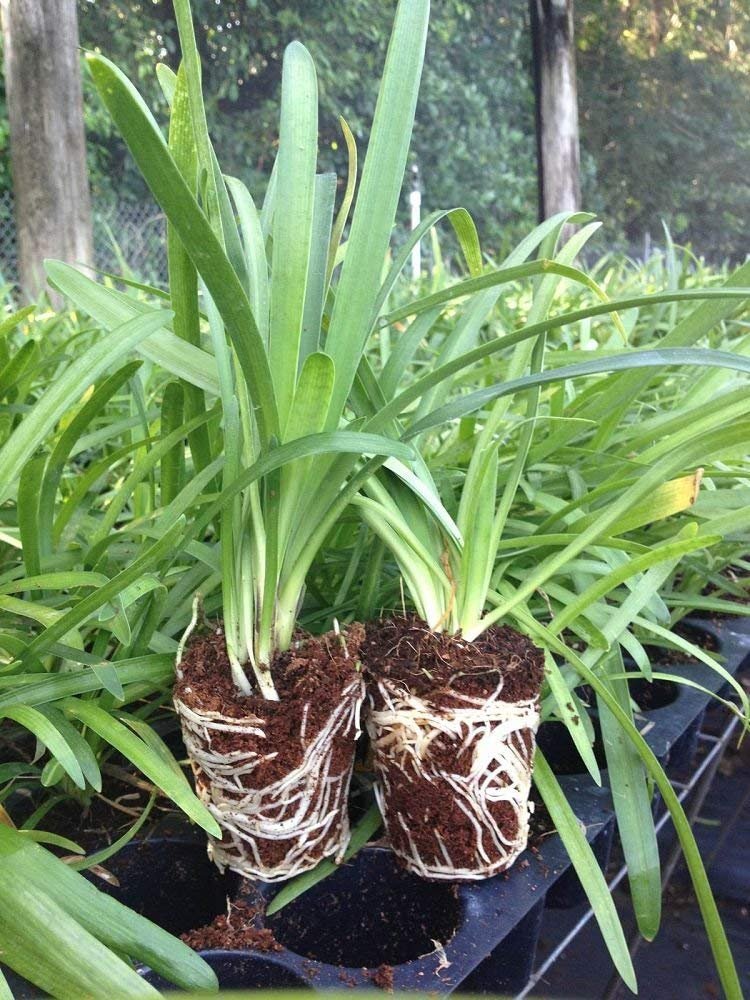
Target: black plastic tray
437 938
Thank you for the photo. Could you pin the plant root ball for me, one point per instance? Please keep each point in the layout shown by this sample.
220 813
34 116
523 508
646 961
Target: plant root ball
452 725
274 774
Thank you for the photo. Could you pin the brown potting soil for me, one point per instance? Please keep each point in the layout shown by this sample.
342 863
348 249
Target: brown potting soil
234 930
430 663
437 668
310 680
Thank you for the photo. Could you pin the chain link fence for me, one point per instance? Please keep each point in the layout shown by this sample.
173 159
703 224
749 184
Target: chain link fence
129 238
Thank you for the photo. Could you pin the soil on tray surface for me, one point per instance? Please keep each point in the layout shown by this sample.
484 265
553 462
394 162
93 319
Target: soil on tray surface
439 667
234 930
310 680
382 977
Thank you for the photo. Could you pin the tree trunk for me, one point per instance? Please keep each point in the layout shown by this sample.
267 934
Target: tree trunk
47 140
556 106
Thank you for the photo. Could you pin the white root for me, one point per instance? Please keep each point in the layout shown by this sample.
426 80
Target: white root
306 806
402 727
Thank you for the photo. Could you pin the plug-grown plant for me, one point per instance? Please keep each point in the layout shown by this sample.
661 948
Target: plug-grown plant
455 704
453 582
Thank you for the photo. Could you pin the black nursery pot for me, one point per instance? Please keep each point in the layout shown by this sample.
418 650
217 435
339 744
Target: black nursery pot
237 970
671 725
432 936
375 913
435 937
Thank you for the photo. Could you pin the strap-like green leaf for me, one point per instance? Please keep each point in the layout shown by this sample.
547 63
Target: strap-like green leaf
586 866
293 227
155 669
45 731
172 783
71 384
162 175
378 196
29 877
632 802
45 945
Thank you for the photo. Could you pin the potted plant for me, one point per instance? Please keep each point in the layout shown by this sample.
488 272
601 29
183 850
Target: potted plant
451 585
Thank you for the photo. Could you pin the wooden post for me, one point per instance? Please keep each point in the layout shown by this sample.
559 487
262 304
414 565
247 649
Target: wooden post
47 140
558 166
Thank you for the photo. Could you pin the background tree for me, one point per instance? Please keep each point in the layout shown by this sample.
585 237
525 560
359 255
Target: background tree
47 143
665 105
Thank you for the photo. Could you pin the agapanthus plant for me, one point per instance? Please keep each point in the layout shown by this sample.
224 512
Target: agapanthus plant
464 576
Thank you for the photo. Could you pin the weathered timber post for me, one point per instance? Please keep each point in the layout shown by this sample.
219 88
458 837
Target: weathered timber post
558 158
47 140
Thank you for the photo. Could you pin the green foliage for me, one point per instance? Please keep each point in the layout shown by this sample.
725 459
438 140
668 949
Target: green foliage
472 89
111 454
65 936
537 433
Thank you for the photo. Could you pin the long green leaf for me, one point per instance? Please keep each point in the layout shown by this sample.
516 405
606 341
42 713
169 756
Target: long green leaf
293 227
630 795
155 669
161 173
672 357
336 442
420 386
87 605
46 946
45 731
586 866
114 925
144 758
378 196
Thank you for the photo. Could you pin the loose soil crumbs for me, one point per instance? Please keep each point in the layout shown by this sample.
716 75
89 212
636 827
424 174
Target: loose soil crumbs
235 930
437 664
382 977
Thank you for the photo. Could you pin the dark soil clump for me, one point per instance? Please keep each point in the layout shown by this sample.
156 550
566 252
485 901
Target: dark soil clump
235 930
